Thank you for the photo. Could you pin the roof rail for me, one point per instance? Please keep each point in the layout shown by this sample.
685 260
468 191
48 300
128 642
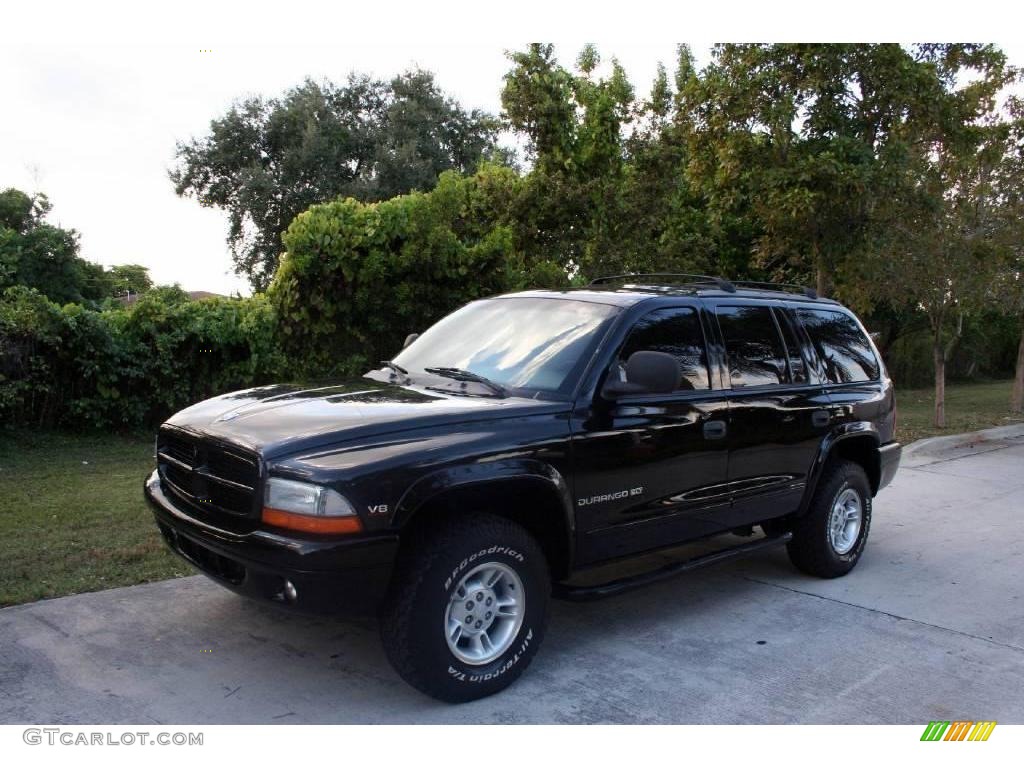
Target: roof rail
720 282
808 292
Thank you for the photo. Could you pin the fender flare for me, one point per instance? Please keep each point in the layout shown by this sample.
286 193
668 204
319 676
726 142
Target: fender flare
842 433
433 486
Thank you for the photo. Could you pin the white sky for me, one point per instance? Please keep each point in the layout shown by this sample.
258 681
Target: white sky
93 123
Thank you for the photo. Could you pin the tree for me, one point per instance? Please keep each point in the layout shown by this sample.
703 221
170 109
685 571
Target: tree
672 227
39 255
944 253
570 211
1010 285
267 160
816 140
129 279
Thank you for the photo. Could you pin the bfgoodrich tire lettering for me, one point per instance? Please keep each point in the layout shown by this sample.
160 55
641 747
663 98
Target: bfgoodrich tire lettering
813 550
417 611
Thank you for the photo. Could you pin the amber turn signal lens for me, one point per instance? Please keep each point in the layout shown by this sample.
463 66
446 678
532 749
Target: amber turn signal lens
311 524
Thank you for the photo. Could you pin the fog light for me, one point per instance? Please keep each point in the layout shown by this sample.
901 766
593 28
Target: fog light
287 593
290 592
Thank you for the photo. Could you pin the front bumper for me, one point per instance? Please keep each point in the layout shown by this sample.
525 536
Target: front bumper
328 574
888 462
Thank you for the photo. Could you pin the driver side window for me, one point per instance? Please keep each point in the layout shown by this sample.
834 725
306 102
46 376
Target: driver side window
675 331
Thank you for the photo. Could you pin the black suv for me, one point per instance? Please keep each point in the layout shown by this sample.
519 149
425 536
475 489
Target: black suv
522 441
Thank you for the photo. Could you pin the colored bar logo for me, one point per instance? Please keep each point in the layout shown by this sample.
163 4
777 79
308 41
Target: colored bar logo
958 730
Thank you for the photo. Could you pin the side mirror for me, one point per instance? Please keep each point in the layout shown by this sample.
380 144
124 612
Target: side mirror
647 373
410 339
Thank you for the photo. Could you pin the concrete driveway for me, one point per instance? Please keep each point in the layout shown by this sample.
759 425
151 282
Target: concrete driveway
930 626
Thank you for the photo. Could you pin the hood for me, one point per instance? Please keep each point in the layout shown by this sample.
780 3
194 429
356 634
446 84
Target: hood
281 419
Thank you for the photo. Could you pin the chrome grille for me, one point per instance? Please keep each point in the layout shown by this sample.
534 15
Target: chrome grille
208 476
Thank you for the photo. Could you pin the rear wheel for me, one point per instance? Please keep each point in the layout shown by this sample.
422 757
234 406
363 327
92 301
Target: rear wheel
828 540
467 608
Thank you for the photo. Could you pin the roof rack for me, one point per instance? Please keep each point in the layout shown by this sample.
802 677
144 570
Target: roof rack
720 282
810 293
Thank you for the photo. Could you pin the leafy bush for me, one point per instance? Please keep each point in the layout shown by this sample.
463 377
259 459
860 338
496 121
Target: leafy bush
357 278
128 367
31 332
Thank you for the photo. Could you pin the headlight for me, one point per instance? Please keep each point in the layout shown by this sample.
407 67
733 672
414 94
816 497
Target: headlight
307 507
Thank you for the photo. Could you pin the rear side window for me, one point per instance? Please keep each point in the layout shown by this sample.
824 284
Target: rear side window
677 332
843 349
757 356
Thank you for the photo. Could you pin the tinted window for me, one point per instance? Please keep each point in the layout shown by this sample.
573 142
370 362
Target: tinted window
677 332
756 354
797 369
842 347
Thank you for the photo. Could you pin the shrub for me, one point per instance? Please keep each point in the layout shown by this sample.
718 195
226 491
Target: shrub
128 367
357 278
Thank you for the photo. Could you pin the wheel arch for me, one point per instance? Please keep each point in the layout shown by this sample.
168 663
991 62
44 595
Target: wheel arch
857 442
530 493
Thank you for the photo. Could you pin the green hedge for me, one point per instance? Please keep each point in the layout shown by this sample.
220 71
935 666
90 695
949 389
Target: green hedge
358 278
128 367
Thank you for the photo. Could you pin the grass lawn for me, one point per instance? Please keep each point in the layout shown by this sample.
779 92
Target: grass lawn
969 407
73 518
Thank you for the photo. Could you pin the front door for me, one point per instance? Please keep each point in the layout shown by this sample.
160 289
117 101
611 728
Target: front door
651 470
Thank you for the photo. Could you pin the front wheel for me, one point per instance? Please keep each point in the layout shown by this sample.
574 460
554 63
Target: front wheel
829 538
467 608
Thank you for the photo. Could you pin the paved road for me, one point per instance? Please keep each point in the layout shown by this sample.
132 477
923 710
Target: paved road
929 626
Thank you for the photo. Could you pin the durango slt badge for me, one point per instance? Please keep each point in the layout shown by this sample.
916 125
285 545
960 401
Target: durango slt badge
611 496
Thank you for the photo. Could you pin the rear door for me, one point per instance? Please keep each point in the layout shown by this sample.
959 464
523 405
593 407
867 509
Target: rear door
650 470
778 413
848 364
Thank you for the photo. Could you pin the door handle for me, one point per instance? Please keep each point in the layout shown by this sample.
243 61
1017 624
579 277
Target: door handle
821 418
714 430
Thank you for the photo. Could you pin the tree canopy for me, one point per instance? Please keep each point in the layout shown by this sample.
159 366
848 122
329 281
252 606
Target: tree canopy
40 255
129 279
37 254
267 160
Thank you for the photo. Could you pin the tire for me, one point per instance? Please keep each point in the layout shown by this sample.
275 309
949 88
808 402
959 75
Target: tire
420 611
815 548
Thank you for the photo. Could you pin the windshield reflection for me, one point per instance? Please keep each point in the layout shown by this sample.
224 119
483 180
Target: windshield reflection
520 343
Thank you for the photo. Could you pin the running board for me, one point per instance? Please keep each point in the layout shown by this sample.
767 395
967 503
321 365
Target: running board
597 591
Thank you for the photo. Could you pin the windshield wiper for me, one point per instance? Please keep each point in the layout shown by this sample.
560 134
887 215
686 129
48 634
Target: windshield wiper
460 374
395 367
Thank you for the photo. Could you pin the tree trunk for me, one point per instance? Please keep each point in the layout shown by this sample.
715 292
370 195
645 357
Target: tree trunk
893 329
822 278
940 385
942 354
1017 398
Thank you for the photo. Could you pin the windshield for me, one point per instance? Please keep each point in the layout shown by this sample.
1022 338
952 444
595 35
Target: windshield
519 343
